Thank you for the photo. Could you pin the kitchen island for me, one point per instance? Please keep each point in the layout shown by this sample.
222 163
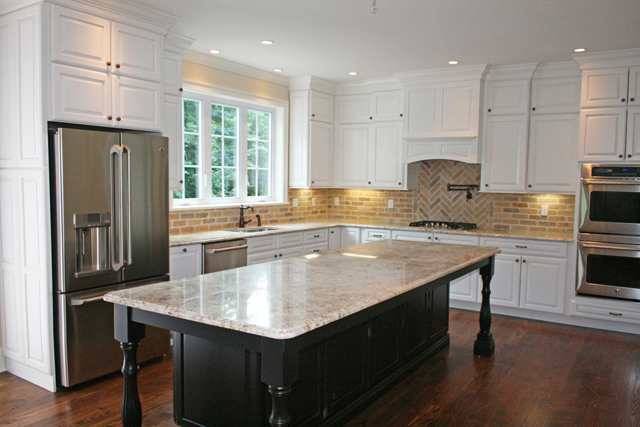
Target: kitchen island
321 335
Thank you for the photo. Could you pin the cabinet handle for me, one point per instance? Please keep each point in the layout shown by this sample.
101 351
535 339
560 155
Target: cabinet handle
623 100
108 63
316 250
315 236
184 250
521 247
620 155
181 90
533 109
118 119
517 260
117 65
615 314
109 117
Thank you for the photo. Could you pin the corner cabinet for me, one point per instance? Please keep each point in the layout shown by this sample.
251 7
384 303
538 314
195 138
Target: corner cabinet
105 73
311 142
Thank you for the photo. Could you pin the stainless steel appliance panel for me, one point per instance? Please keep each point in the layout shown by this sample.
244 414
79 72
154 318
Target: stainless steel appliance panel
225 255
83 181
85 336
148 227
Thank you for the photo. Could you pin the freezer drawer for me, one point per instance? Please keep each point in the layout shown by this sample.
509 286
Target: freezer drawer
86 348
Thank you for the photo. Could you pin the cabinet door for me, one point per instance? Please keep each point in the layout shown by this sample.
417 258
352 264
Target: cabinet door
507 97
353 155
173 131
81 96
334 238
505 284
633 134
386 156
384 345
356 109
299 139
137 104
464 288
387 105
321 107
321 171
634 86
460 109
346 367
558 95
602 134
543 284
80 39
185 262
504 156
604 88
288 240
136 52
172 73
350 236
260 257
553 153
422 111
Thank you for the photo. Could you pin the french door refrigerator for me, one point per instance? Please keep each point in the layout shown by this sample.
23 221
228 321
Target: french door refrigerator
110 229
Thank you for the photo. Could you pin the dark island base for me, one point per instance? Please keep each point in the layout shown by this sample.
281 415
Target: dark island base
217 384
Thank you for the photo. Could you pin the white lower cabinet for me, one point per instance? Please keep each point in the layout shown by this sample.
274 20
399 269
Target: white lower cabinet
349 236
185 261
316 247
287 245
373 234
334 238
529 274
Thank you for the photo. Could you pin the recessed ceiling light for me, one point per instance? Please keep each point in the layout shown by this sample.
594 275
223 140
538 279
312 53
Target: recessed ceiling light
267 42
353 73
580 49
277 70
454 62
214 51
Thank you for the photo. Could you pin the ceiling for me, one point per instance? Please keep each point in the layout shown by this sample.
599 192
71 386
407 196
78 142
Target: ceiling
330 38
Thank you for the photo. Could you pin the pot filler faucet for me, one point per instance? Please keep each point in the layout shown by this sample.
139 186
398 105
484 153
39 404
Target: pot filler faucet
242 222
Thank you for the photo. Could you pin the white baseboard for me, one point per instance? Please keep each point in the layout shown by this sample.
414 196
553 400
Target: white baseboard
3 366
47 382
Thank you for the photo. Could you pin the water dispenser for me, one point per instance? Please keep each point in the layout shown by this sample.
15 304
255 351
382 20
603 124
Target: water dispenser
92 243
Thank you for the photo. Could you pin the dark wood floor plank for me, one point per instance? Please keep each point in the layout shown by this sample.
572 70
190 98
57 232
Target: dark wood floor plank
542 374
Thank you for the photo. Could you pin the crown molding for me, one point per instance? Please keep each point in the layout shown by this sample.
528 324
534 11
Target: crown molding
234 67
368 86
312 83
557 69
612 58
443 75
176 43
512 72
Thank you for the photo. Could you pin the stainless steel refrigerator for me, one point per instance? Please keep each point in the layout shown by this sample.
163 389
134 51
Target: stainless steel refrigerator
111 231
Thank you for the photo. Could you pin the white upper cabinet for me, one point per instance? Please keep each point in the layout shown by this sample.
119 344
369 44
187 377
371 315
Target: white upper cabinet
507 97
321 107
387 105
606 87
356 108
552 154
555 95
136 52
387 168
633 134
504 157
172 73
173 131
137 104
634 86
320 154
81 95
602 134
353 156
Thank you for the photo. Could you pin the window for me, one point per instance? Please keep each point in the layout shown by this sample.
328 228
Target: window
232 152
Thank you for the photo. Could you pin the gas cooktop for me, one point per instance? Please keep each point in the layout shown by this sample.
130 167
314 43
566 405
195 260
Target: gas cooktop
444 225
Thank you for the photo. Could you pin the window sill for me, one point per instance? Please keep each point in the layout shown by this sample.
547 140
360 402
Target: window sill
225 206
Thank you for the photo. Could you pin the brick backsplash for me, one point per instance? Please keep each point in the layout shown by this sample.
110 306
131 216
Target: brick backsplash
430 201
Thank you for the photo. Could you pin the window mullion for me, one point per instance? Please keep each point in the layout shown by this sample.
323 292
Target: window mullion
206 149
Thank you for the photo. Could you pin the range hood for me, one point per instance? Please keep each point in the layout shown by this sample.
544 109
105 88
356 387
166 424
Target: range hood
462 149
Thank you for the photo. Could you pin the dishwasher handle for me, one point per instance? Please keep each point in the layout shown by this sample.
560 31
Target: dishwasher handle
231 248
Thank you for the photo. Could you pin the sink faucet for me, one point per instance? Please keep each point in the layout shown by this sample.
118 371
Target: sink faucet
259 220
242 222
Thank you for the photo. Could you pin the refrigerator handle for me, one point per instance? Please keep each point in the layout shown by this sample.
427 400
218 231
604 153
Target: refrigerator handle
129 259
117 244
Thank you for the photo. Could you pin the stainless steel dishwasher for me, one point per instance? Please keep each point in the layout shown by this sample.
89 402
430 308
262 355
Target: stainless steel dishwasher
225 255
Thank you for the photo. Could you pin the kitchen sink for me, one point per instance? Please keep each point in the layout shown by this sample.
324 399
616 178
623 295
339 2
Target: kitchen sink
253 229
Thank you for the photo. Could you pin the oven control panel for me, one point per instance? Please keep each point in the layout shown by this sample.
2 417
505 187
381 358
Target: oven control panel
615 171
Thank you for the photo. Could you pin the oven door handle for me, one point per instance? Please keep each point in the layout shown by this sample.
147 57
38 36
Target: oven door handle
608 246
610 182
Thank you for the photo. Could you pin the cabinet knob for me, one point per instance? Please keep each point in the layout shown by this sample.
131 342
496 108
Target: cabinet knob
631 99
275 256
184 250
108 63
524 260
117 65
332 232
118 118
623 100
109 117
399 183
181 182
435 238
181 90
280 254
620 155
370 118
313 182
489 110
369 182
517 260
313 115
400 114
533 109
629 155
529 185
486 185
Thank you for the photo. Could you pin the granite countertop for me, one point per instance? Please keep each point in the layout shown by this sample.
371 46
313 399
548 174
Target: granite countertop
222 235
286 298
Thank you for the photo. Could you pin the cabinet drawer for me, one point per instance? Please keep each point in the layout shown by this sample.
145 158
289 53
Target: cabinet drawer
456 239
259 244
527 247
290 252
413 236
607 312
317 247
289 239
260 257
316 236
373 234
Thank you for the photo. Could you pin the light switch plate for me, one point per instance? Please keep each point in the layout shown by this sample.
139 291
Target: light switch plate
336 201
545 210
390 203
294 202
313 201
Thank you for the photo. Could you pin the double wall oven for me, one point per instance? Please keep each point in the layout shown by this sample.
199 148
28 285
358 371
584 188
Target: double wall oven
609 239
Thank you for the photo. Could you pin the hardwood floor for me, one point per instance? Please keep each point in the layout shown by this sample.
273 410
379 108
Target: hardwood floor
541 375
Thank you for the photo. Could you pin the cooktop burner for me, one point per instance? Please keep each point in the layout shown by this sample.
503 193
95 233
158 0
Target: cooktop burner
444 225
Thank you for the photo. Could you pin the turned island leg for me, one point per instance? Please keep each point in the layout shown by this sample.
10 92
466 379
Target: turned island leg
129 334
279 372
484 345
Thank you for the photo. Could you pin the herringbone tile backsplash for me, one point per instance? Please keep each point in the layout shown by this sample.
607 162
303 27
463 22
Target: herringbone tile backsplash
430 201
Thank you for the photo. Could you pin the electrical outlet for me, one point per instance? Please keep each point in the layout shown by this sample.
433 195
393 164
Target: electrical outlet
545 210
390 203
294 202
313 201
336 201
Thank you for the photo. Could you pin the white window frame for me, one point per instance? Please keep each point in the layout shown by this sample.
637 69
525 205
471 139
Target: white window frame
279 111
